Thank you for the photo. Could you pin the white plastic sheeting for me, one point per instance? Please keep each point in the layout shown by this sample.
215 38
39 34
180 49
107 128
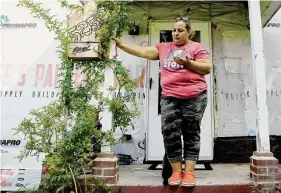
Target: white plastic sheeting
229 15
137 66
272 48
28 77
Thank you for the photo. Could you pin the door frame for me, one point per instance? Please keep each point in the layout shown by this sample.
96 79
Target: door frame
147 90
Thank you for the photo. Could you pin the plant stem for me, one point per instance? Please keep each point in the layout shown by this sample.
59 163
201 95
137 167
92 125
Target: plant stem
74 180
85 179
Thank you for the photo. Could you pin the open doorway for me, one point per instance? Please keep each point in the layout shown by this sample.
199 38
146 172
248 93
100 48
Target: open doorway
161 31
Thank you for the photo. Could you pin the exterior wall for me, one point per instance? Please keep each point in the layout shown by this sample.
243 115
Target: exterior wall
232 68
235 96
137 66
272 49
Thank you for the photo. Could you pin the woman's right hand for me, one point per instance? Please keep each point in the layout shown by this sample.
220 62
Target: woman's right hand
117 41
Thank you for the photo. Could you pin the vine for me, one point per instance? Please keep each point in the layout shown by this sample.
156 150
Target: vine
68 153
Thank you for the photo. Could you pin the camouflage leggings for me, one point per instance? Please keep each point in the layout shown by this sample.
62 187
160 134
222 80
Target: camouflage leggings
182 117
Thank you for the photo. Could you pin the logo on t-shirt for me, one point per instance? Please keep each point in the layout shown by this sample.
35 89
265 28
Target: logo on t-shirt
170 63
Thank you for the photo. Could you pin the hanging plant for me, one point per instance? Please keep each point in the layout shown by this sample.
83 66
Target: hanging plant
68 153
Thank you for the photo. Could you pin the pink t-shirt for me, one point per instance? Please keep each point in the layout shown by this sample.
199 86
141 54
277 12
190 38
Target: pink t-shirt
176 80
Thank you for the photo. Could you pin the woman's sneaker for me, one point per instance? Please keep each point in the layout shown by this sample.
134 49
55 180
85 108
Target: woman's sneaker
188 179
175 179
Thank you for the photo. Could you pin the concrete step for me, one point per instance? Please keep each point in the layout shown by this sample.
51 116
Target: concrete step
223 178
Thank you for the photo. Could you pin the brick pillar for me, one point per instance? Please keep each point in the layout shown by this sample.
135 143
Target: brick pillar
105 166
264 168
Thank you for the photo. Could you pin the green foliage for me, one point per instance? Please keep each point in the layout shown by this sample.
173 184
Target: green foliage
67 154
118 14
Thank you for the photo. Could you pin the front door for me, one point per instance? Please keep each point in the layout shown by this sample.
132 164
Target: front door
161 31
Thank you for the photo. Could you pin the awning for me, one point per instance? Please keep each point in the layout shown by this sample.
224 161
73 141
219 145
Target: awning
268 10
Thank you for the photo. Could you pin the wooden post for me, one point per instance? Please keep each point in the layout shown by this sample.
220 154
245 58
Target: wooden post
264 167
258 64
107 117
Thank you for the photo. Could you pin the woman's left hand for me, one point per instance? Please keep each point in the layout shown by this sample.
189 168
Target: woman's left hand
201 66
181 61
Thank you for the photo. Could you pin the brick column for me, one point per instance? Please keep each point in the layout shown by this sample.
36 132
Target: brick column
264 168
105 166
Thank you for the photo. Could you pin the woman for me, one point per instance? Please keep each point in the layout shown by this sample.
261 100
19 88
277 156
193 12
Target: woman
184 96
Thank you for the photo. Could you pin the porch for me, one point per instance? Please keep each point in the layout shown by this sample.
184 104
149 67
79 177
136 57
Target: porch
230 178
224 177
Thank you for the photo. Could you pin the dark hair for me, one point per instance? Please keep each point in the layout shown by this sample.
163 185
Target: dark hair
185 20
187 26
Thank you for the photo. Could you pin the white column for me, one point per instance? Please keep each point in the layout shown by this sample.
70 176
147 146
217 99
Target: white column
258 63
107 119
